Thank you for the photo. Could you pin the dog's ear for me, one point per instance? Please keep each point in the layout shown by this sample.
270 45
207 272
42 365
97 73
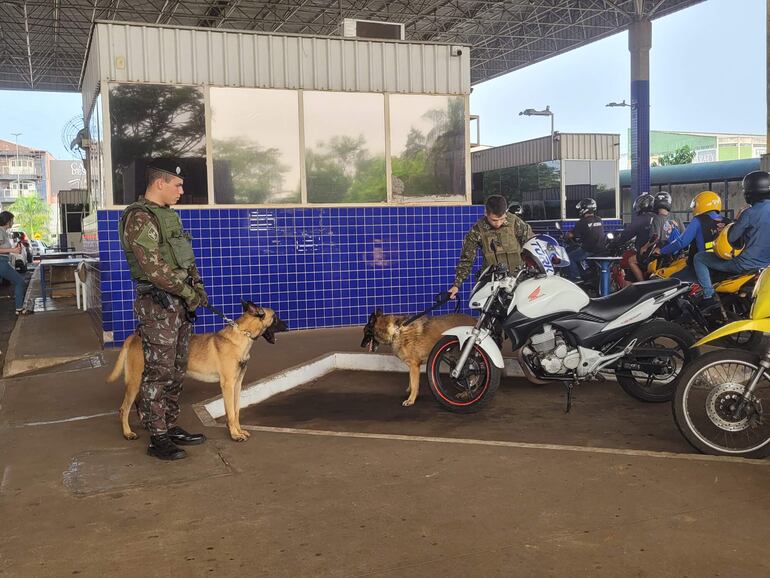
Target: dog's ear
378 312
253 309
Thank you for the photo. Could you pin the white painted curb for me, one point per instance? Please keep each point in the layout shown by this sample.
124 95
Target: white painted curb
267 387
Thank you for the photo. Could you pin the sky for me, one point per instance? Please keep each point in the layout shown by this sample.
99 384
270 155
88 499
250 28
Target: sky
707 74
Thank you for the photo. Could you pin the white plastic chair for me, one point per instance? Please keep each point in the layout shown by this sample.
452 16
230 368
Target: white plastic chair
81 286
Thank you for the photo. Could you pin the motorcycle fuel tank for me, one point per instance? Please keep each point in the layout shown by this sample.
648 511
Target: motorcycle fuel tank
545 295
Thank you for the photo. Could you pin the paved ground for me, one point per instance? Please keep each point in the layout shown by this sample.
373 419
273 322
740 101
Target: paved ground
465 500
7 317
349 401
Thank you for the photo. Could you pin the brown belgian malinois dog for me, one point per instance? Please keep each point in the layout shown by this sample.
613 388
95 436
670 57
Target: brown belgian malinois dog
214 357
411 343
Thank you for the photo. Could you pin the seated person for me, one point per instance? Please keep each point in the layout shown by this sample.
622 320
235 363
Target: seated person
589 234
639 230
700 234
750 231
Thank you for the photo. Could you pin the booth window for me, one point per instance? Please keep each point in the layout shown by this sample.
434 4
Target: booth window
537 187
344 147
149 121
255 143
590 179
427 147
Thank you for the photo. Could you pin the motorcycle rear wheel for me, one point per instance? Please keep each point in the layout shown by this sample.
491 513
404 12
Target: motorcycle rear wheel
704 405
651 387
473 389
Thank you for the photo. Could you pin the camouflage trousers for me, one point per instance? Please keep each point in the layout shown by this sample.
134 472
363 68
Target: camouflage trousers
165 334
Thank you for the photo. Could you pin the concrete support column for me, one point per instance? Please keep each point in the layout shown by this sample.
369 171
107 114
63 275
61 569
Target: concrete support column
766 156
639 44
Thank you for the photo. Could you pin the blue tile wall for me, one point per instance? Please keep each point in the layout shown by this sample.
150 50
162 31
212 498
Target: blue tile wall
317 267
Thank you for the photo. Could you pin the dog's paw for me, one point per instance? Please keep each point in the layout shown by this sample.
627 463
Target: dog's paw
239 436
408 402
244 432
130 435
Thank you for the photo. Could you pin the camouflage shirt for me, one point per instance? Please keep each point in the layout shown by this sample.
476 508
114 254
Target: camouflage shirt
511 235
142 236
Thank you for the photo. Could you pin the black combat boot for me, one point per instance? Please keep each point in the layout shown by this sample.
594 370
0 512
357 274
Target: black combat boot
179 436
163 448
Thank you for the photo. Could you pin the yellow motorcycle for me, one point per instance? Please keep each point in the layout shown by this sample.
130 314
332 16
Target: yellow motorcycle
734 294
722 396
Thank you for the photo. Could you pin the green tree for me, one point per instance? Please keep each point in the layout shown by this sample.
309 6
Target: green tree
682 156
257 173
31 213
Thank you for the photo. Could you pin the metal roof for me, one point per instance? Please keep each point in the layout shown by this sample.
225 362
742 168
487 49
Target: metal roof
43 42
697 172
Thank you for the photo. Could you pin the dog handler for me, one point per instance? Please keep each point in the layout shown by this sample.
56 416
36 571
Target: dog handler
169 290
498 234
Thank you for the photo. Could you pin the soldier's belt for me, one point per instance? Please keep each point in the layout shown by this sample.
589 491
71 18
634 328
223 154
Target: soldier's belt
158 295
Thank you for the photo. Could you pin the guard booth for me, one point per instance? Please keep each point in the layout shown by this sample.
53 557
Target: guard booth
550 179
325 176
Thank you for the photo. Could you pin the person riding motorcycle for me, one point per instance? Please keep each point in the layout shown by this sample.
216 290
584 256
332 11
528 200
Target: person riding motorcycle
700 234
589 234
749 231
639 230
664 226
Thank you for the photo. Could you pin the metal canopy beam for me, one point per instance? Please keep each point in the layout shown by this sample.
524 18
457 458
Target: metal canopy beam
43 42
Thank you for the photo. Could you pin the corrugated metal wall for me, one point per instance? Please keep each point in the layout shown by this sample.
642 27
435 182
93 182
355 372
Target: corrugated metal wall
156 54
579 146
575 146
514 155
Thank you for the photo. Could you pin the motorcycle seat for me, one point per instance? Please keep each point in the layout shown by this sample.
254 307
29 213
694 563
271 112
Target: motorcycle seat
614 305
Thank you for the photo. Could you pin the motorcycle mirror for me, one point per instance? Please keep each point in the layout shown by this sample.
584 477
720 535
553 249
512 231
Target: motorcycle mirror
557 225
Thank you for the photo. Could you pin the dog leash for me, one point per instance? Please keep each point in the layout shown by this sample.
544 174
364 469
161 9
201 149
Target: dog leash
229 321
439 300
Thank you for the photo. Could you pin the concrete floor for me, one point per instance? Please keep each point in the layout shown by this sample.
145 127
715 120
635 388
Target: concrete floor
77 499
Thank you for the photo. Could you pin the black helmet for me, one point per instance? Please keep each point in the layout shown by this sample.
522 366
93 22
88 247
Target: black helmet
644 203
516 208
662 201
756 187
586 206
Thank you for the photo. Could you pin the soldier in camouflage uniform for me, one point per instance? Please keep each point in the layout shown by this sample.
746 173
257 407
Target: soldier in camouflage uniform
499 234
169 290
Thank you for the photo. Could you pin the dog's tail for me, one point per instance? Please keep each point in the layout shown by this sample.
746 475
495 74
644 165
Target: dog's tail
120 364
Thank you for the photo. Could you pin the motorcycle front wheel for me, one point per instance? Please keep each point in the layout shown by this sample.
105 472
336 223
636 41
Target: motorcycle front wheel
473 389
708 407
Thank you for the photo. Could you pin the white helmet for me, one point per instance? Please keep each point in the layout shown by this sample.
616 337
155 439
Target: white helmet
544 253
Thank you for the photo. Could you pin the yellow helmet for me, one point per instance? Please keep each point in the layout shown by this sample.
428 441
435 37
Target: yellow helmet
705 202
722 246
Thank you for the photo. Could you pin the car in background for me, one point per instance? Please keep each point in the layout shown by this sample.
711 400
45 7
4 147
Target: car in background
39 247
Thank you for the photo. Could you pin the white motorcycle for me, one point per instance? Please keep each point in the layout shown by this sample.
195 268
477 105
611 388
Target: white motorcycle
560 334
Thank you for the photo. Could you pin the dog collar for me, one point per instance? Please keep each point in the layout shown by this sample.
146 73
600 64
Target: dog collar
248 334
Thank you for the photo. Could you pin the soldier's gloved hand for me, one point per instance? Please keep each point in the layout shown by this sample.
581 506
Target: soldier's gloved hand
191 298
202 295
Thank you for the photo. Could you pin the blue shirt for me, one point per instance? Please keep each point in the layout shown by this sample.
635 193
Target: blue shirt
693 232
756 244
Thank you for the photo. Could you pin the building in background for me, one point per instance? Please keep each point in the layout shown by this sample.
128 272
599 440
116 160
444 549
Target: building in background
549 180
23 171
69 202
708 147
